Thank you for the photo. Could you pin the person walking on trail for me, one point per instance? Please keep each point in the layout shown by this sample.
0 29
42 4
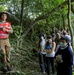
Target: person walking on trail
50 53
64 58
5 30
68 38
42 54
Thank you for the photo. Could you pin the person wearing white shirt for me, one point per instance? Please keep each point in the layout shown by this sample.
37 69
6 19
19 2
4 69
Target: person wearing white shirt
42 54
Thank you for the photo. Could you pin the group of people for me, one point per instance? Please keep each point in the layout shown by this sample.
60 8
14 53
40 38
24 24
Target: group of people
55 53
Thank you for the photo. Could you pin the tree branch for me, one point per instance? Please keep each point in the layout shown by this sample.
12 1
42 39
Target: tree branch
41 18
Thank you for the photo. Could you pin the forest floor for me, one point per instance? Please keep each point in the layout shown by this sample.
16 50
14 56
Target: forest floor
28 67
24 62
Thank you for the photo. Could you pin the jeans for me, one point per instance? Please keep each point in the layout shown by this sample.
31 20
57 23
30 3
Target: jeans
50 61
42 62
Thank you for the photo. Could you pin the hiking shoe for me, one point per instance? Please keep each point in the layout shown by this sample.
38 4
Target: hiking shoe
9 68
44 72
4 69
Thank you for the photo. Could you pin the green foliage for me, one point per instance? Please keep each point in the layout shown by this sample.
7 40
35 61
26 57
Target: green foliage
32 10
3 8
17 31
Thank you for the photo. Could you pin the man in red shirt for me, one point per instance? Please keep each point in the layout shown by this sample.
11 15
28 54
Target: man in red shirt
5 30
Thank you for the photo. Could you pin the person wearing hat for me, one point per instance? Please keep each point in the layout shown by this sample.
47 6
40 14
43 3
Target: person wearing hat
5 30
68 38
64 58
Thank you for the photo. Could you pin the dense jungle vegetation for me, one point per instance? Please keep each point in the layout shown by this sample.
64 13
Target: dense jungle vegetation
28 19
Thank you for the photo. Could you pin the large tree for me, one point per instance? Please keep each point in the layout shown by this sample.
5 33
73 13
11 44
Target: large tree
69 21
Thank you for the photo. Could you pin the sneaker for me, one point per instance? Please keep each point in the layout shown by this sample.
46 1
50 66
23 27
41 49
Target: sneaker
44 72
9 68
4 69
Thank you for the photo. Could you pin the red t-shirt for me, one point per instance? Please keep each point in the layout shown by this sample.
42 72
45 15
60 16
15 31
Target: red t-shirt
7 25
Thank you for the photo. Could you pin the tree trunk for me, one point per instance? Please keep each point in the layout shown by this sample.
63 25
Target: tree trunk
69 21
63 21
22 8
21 16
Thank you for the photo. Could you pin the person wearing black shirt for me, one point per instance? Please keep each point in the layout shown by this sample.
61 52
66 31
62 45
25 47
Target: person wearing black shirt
64 58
